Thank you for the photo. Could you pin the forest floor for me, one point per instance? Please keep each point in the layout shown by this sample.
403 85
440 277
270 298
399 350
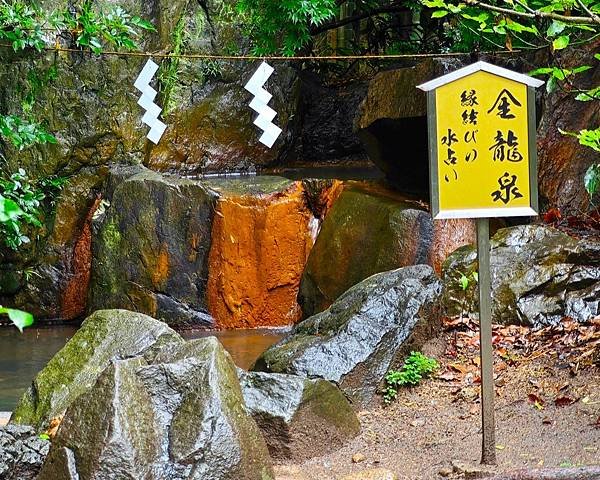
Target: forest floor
547 409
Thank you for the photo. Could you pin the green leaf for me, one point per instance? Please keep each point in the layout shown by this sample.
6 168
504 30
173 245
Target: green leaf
464 282
439 13
434 3
19 318
44 436
555 28
9 210
561 42
591 180
593 94
541 71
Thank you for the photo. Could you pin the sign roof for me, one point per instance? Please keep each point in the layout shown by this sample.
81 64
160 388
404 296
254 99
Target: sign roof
477 67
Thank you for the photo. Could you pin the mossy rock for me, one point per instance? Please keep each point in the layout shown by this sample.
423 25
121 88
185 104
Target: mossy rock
300 418
539 275
179 416
368 230
104 336
151 248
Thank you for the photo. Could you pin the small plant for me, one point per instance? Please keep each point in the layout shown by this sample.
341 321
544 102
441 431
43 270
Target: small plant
21 204
416 367
94 29
22 133
465 281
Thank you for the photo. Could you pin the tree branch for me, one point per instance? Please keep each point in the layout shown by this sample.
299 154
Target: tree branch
536 14
588 11
355 18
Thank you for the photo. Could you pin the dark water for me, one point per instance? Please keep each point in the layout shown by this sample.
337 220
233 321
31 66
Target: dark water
23 356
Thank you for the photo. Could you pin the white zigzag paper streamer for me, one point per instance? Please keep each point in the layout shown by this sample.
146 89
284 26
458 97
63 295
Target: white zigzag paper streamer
146 101
266 114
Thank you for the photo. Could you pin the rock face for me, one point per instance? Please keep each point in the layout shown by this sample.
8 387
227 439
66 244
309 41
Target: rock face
99 120
50 277
181 417
357 339
299 417
22 452
214 131
75 369
261 238
539 275
369 230
392 118
151 251
326 115
562 160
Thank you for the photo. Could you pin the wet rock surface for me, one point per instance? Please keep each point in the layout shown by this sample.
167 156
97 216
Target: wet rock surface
562 160
371 229
300 418
326 114
392 114
357 339
539 275
261 238
75 368
151 249
22 452
180 417
50 276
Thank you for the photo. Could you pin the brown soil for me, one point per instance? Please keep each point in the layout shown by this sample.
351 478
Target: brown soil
547 414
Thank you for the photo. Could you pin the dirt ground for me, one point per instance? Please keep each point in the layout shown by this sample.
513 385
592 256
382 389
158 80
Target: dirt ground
547 415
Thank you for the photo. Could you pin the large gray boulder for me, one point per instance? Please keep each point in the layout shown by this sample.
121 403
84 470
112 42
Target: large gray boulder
22 452
180 417
357 339
77 366
150 254
539 275
299 417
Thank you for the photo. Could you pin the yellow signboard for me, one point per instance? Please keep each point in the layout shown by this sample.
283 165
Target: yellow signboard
482 143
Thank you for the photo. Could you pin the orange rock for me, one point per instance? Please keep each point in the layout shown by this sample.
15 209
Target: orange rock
448 235
74 296
260 244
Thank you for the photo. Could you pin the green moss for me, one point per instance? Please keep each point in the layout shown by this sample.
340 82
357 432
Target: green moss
54 387
329 403
111 237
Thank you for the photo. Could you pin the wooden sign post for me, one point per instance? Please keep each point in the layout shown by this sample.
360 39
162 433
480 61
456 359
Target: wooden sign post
482 164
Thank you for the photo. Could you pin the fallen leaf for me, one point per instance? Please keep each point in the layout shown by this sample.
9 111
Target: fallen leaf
564 401
536 401
448 376
459 367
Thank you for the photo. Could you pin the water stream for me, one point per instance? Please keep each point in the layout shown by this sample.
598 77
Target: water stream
23 356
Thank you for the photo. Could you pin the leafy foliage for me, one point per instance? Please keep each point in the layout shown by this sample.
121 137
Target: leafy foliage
283 26
465 281
19 24
22 133
95 29
416 367
21 205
